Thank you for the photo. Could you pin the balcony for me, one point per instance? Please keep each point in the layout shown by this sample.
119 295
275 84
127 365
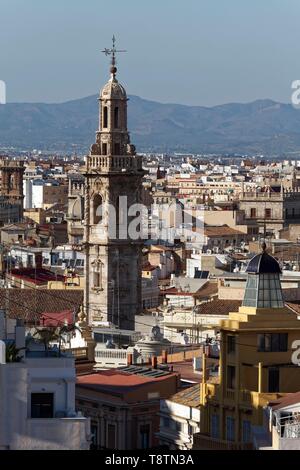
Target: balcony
110 358
106 164
286 432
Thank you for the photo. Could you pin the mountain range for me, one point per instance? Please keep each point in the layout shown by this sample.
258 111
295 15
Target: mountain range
263 126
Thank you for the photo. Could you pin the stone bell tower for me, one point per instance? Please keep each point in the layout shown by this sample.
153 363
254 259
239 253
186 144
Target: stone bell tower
113 184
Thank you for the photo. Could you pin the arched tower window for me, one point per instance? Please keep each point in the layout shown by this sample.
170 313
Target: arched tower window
116 118
104 149
105 117
97 209
11 181
117 149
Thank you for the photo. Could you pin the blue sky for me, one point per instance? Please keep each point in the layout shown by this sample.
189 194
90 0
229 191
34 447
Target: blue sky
202 52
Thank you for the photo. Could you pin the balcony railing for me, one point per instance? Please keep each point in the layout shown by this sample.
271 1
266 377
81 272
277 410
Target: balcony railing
230 394
288 427
79 353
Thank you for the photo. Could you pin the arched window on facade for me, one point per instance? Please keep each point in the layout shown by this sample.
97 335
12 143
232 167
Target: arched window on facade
117 149
104 149
97 209
11 181
116 118
105 117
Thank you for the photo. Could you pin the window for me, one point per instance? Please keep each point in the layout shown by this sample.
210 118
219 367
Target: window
116 118
166 422
111 436
263 291
253 212
272 342
178 426
94 436
97 206
231 344
231 377
215 426
230 431
97 274
145 436
105 117
273 380
42 405
246 431
104 149
117 149
268 213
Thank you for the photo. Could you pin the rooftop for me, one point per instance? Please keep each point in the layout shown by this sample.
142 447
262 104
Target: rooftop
36 276
30 304
189 396
287 400
219 307
120 381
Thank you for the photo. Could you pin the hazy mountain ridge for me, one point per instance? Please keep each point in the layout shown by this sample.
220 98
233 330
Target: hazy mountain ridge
261 126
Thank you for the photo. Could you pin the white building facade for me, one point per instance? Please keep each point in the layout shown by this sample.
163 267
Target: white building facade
37 410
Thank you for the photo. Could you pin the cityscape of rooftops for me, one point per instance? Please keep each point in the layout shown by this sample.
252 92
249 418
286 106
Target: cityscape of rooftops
150 229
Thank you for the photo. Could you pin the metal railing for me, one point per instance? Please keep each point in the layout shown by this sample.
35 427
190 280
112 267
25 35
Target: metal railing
288 427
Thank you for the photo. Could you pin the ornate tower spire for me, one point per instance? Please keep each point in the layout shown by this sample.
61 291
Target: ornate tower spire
113 52
113 184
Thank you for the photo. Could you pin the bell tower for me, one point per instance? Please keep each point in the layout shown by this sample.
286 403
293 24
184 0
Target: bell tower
113 184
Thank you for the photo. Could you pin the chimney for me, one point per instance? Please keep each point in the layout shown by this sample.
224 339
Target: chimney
154 362
129 359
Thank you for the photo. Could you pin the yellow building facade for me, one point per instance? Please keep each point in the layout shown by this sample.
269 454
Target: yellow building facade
256 363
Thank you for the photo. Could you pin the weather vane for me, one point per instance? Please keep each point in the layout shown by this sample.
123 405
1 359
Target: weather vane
112 52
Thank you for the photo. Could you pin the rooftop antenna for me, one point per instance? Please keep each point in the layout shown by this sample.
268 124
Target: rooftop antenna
113 52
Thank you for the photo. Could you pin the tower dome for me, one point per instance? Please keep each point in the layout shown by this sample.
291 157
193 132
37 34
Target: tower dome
113 90
263 264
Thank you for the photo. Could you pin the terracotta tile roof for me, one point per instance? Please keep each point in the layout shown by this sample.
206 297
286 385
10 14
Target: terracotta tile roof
30 304
221 231
219 307
208 290
287 400
149 267
294 306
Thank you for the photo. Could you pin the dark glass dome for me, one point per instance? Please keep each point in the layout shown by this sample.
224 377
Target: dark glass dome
263 264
